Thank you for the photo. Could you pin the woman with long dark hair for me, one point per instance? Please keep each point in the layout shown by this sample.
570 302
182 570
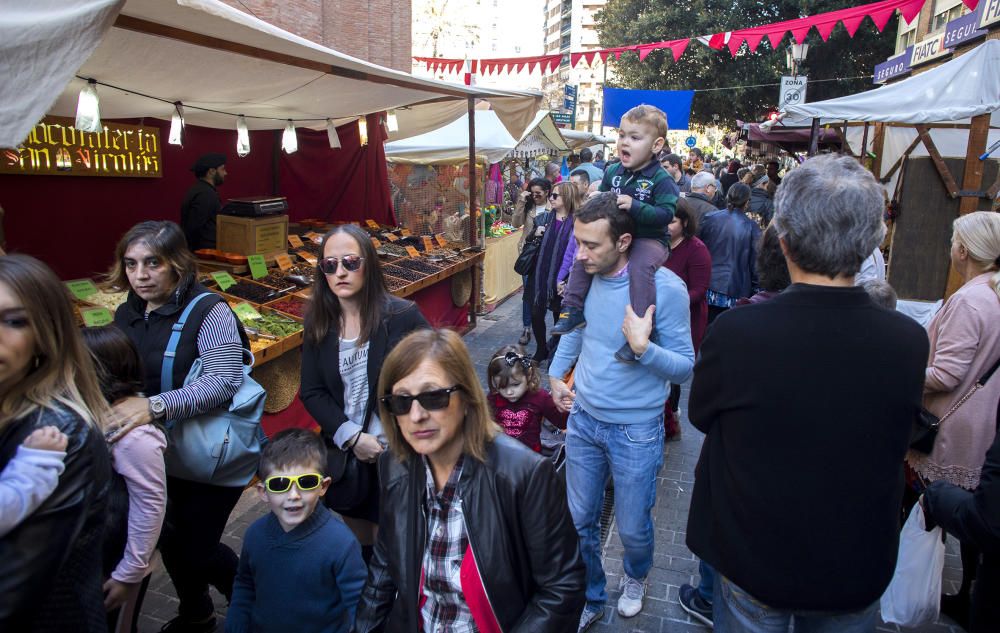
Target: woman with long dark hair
352 324
565 199
50 563
534 203
732 239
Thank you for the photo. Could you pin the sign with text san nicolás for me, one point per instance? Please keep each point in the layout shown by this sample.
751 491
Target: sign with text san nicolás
894 66
55 147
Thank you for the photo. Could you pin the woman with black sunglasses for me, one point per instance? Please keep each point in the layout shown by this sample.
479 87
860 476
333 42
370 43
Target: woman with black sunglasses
480 536
352 323
565 199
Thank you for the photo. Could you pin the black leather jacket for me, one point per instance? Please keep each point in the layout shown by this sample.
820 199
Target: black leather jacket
50 564
519 529
732 238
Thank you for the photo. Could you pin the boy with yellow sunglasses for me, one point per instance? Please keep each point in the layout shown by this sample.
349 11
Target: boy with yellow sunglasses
301 567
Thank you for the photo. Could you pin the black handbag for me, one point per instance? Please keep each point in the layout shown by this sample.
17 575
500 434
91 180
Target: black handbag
353 480
525 262
927 425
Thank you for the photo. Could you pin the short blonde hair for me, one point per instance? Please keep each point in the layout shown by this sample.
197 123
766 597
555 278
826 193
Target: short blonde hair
446 349
979 233
650 115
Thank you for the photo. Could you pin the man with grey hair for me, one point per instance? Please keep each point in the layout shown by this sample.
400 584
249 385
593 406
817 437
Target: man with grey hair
807 401
699 201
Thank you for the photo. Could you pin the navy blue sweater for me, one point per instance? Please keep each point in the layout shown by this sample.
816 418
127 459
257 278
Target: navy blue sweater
308 579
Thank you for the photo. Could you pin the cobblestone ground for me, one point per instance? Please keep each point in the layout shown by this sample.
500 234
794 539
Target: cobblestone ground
673 566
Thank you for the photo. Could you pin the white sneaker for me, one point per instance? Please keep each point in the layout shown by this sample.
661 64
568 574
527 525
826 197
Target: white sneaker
633 591
588 617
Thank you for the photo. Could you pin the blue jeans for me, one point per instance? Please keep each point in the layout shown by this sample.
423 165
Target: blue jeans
706 586
525 303
736 611
633 454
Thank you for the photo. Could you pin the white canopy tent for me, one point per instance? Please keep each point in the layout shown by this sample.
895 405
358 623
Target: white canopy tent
577 139
955 91
213 58
450 144
541 137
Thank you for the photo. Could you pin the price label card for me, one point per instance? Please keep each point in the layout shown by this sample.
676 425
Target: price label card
96 317
224 279
428 244
443 243
392 237
405 231
258 267
412 252
375 242
82 288
295 241
246 312
309 257
284 261
372 223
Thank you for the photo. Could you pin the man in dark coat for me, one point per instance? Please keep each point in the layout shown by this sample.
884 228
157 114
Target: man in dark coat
201 204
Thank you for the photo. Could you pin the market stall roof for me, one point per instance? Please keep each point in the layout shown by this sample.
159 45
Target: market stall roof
541 137
204 54
962 88
579 138
450 144
792 139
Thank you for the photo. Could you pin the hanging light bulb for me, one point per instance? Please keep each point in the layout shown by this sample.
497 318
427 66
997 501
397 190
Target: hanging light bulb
88 111
392 121
177 125
289 142
363 130
331 133
242 137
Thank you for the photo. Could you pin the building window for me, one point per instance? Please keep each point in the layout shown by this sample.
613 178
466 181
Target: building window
945 15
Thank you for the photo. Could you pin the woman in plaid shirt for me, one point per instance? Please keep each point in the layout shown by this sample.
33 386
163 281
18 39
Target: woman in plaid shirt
475 533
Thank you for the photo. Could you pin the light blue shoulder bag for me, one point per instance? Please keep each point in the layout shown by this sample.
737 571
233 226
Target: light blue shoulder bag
220 447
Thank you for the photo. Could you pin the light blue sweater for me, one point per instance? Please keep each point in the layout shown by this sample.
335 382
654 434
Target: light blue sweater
625 393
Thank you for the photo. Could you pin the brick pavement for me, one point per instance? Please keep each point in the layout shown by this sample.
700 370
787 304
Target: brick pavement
673 564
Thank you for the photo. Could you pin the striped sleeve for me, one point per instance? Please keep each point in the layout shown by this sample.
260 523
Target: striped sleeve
221 354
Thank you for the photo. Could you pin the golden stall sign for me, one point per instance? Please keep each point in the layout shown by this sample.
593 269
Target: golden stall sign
55 147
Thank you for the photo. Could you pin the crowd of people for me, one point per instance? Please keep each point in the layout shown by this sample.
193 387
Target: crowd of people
448 516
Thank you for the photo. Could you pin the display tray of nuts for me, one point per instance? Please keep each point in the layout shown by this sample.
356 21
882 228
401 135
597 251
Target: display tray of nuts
402 273
419 266
292 304
253 292
395 284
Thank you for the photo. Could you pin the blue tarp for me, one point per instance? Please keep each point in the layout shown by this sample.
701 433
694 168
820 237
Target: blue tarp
675 103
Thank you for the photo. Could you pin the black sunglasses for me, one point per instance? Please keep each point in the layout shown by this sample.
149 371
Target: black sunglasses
553 196
513 358
352 263
429 400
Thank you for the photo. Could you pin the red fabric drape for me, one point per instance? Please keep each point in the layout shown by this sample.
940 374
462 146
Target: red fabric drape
73 222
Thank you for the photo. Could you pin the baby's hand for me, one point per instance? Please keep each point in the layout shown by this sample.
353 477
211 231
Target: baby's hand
624 202
47 438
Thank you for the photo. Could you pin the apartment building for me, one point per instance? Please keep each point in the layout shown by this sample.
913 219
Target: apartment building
478 29
570 25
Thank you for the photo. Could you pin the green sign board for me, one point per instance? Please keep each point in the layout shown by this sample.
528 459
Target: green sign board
258 267
82 288
224 279
96 317
246 312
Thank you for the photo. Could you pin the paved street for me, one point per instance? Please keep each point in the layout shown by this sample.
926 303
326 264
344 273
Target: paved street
674 564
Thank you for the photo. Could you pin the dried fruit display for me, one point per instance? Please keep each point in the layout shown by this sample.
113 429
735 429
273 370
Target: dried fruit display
419 266
252 292
402 273
395 284
296 306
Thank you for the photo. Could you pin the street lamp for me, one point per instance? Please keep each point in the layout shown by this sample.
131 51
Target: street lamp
795 55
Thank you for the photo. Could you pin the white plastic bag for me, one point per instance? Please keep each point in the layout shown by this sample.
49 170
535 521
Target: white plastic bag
913 597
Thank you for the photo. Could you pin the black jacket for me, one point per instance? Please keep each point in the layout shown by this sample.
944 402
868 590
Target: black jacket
198 210
806 401
732 239
972 517
50 565
322 390
696 204
761 207
519 528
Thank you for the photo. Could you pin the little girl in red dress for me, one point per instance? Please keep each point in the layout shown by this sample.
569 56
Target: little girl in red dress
518 403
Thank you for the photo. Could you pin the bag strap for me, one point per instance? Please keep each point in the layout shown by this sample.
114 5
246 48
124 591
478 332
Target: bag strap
167 369
975 387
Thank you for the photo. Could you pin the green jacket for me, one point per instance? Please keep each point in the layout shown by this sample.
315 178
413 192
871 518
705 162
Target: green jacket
654 197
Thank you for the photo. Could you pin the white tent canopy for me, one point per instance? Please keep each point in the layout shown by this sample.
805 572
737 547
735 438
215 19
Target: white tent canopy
577 139
204 54
962 88
541 137
450 144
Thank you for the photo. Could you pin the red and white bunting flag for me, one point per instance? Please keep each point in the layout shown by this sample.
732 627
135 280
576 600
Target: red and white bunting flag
825 28
801 32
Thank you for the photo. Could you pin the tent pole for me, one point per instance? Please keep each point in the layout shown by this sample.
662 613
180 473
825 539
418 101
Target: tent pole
477 270
864 145
814 138
878 143
972 180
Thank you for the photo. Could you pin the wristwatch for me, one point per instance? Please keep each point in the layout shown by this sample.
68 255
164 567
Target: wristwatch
157 407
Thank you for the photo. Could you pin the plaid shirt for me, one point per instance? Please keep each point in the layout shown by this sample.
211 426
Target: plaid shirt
445 610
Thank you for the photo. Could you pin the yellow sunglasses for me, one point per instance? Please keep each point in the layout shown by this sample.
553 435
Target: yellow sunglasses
283 483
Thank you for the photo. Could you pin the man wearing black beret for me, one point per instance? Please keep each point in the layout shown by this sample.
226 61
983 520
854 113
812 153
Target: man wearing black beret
201 204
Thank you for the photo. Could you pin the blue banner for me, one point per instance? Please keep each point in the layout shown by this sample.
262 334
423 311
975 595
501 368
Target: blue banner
675 103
